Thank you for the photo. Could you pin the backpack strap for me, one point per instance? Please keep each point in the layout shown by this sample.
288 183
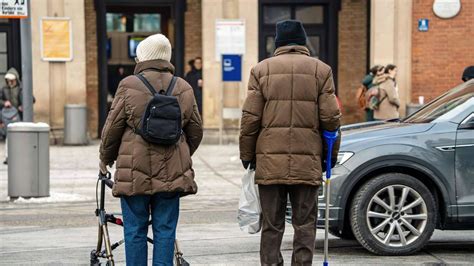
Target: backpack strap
147 84
171 86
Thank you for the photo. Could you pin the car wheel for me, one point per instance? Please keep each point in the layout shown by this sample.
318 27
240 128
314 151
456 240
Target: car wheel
393 214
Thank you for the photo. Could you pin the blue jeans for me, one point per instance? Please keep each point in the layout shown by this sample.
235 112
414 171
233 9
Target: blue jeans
164 209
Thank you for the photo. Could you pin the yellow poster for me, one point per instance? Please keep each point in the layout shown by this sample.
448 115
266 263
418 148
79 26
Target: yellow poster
56 39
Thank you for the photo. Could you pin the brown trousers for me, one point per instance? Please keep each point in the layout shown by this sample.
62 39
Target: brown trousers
304 201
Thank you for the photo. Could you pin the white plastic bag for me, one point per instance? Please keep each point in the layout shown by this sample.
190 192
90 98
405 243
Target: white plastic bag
249 215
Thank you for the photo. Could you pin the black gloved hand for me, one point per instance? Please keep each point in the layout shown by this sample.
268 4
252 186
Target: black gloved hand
333 163
252 164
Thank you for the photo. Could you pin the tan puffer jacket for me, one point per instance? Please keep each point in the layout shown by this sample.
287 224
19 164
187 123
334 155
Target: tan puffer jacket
290 102
144 168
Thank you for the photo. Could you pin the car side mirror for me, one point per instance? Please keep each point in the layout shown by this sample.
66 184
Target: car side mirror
468 123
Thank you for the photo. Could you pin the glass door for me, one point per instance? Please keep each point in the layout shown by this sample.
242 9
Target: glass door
9 47
313 18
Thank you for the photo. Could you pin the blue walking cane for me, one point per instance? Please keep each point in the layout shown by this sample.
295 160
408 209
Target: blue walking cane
330 137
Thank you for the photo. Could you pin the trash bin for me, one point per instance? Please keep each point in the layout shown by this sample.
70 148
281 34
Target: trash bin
75 124
413 107
28 160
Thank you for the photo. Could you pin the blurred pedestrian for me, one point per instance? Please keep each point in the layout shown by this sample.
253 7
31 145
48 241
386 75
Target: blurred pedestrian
189 66
388 95
368 82
150 178
194 78
115 79
468 73
291 100
11 93
11 108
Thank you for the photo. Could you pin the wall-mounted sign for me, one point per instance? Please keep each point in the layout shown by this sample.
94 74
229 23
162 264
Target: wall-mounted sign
231 67
423 24
230 37
446 8
14 8
56 39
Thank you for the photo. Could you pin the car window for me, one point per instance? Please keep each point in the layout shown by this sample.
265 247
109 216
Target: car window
446 106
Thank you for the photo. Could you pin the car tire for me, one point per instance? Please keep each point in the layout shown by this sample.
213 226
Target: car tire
390 228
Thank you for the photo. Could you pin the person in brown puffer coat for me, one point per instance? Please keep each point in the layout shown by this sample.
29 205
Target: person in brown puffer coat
150 178
291 100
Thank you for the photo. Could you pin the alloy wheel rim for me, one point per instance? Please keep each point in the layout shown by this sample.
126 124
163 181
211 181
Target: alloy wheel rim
397 215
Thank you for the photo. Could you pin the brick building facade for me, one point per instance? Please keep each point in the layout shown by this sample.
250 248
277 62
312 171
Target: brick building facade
364 33
440 55
352 61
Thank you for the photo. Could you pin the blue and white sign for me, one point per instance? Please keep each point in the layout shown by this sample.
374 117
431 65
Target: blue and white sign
423 24
231 67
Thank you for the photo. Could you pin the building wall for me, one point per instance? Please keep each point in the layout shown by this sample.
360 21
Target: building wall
352 61
192 30
216 94
440 55
92 78
56 84
390 41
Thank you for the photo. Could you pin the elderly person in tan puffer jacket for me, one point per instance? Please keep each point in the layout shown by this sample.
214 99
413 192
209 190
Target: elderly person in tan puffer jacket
290 103
150 179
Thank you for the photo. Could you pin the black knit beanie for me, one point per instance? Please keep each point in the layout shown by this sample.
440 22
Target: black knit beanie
468 73
289 32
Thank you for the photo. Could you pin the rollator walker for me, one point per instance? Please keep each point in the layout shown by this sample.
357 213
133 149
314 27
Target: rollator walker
104 247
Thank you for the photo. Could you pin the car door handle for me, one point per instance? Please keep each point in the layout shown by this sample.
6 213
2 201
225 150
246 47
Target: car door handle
453 147
446 148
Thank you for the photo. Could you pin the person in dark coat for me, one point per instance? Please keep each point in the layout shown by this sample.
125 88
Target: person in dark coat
115 80
194 78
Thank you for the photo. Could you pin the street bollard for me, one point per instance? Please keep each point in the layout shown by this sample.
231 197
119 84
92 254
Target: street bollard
28 160
75 124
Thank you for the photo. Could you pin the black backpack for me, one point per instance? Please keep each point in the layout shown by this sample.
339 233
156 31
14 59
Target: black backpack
161 122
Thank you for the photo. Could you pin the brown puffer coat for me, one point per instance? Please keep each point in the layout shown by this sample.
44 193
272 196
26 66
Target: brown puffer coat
290 102
144 168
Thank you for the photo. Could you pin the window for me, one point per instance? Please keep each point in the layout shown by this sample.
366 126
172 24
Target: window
273 14
116 22
314 46
270 45
310 14
312 17
452 102
147 23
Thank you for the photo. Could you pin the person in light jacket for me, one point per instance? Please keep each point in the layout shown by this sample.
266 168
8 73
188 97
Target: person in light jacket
389 99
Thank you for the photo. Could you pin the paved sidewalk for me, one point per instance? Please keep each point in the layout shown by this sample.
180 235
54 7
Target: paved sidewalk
61 230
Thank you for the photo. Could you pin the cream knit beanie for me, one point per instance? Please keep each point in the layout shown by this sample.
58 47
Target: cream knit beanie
156 46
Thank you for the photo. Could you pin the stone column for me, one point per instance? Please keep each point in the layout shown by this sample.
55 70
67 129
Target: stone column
58 83
217 94
390 41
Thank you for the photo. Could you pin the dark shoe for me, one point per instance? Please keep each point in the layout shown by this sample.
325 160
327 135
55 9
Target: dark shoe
6 161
